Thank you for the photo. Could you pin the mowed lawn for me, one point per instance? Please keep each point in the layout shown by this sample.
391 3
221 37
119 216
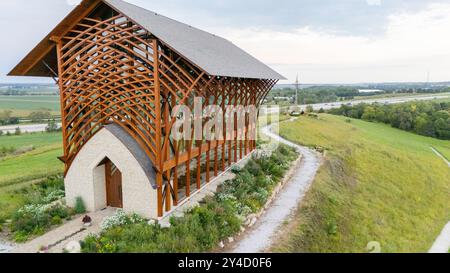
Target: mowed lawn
22 106
38 163
377 184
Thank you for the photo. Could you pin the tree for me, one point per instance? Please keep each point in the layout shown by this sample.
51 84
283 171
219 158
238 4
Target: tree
5 117
424 126
369 114
442 128
52 126
40 116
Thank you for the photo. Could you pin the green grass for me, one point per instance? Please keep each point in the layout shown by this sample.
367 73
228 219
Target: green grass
35 139
36 164
376 184
22 106
20 170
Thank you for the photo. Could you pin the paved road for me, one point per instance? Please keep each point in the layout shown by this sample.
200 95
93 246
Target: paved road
31 128
328 106
261 237
334 105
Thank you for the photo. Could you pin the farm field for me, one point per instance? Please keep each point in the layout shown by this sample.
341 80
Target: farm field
38 161
377 184
22 106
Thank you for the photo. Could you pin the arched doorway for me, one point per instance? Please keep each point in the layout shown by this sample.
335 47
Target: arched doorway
113 183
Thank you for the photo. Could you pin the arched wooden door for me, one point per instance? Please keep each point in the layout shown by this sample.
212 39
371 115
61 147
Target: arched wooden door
113 185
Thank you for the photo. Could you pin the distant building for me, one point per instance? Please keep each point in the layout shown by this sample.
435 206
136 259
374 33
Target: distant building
283 98
365 91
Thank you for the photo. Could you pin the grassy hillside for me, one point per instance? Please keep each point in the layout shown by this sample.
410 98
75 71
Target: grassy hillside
377 184
17 170
22 106
39 162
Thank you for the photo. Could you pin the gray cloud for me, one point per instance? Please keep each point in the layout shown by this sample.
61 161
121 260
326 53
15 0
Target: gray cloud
355 17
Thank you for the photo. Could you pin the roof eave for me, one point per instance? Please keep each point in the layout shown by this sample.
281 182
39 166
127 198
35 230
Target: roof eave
39 52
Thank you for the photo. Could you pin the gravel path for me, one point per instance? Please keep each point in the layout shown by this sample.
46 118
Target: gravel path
261 237
5 246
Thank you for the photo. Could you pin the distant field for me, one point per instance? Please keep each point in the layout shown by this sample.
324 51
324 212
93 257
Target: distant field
40 162
377 184
22 106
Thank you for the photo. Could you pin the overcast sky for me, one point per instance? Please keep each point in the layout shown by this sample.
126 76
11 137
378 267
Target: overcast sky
324 41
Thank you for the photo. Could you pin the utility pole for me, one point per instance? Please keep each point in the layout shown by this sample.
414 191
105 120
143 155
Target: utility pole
296 91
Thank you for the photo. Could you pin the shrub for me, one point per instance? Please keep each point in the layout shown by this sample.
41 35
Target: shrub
42 209
80 208
121 219
56 220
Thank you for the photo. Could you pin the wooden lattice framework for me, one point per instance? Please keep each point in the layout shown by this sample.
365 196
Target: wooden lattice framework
110 69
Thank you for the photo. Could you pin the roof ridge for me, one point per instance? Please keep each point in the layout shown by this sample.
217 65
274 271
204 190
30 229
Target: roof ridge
171 19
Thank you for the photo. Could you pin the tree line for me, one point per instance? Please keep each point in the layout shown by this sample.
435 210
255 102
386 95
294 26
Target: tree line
425 118
316 94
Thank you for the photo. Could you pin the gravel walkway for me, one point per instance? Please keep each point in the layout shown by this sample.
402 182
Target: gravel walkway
261 237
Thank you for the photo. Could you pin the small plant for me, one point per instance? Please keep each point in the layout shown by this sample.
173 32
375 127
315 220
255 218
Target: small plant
80 208
56 220
121 219
17 132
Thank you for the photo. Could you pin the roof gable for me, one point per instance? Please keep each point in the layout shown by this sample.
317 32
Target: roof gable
215 55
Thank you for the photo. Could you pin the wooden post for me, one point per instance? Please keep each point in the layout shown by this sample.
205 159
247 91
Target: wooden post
63 102
159 175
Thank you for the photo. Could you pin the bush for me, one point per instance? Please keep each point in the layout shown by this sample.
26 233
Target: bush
120 219
80 208
52 126
42 209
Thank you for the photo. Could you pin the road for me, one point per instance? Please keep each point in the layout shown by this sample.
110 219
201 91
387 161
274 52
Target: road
29 128
395 100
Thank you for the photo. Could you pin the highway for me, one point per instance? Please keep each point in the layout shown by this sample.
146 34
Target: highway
395 100
29 128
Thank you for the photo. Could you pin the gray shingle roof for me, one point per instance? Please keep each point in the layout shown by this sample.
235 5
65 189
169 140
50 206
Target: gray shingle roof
216 55
135 149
